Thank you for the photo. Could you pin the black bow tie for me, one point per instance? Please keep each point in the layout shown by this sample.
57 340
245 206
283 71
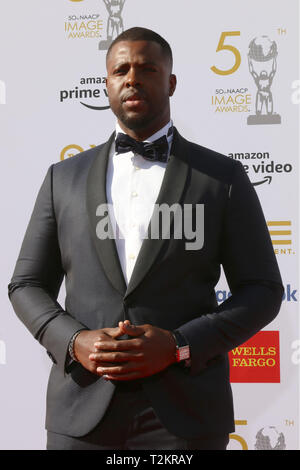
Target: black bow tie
153 151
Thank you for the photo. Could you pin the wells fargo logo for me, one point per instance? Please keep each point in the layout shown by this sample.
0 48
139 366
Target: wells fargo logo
257 360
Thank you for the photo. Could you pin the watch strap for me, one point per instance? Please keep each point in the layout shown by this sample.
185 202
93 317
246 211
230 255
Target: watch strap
71 345
182 347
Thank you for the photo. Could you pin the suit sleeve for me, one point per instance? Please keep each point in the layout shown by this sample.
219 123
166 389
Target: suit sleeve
37 278
252 274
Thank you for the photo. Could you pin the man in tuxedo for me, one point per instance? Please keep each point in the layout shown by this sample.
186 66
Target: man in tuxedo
140 351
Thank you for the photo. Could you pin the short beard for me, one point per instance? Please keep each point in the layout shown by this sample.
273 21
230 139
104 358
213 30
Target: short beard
135 124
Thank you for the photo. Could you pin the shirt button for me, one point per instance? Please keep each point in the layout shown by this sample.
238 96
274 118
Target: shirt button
134 194
131 256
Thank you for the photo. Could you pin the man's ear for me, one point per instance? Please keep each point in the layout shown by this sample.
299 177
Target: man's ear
173 82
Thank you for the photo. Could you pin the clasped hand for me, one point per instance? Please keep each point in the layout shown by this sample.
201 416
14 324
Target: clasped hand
149 350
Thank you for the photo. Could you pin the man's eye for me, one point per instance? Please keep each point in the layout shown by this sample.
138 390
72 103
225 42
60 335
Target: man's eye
119 71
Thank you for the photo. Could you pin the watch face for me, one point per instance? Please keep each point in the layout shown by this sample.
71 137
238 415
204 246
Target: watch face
183 353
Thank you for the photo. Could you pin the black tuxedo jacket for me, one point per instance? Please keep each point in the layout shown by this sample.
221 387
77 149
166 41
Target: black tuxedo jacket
170 287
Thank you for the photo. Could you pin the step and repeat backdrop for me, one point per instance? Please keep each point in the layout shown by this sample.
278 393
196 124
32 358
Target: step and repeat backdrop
237 66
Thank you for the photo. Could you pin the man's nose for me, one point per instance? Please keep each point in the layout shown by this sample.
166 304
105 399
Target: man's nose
132 79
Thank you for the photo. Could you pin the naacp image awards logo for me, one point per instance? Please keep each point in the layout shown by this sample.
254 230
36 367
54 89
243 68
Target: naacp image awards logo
115 24
262 61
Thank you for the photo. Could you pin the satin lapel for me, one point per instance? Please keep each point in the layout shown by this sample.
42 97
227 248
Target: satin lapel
96 195
171 191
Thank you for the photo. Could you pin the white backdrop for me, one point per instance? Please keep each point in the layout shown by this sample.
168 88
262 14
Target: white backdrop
50 65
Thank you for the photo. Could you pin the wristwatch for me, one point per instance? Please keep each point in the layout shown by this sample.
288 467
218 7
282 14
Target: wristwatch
71 346
182 348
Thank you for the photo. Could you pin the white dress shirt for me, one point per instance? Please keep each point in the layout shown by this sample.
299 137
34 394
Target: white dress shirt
132 188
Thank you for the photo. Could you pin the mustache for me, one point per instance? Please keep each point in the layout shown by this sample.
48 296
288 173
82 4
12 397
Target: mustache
134 94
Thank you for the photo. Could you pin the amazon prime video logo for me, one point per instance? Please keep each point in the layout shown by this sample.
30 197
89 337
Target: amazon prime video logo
90 92
166 222
261 167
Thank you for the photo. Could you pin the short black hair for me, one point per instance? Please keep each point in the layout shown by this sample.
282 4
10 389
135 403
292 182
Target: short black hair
143 34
